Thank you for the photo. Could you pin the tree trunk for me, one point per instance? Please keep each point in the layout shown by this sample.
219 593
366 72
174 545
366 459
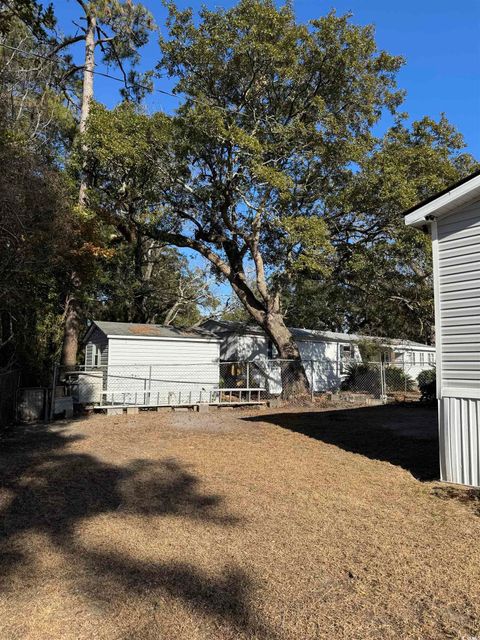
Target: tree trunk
71 332
73 323
294 379
87 95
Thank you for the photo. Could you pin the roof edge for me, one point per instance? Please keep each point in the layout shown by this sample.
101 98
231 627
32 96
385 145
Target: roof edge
442 202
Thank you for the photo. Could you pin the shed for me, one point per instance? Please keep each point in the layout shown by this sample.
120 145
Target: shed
150 364
453 219
325 354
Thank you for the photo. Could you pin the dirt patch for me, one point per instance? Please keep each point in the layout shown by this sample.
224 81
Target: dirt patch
231 525
470 497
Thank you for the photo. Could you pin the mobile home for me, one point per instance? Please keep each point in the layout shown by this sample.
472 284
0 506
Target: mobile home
326 354
453 219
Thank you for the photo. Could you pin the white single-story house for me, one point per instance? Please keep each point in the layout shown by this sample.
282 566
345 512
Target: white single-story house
148 364
453 219
325 354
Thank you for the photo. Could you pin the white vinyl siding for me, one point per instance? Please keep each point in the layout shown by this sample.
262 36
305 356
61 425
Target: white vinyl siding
162 371
124 351
458 243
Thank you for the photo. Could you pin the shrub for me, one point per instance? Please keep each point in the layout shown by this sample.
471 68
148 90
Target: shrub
397 380
427 383
362 376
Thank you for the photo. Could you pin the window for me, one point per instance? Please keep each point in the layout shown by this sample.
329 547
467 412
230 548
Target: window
431 358
96 355
421 356
346 355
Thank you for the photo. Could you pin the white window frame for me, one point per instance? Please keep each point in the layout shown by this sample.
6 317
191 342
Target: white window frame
344 362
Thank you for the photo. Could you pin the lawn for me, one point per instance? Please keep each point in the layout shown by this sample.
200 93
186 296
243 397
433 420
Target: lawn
287 524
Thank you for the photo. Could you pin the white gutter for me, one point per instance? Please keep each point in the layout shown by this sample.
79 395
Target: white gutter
444 204
183 338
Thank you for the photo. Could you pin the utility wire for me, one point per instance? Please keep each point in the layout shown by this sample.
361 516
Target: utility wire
32 54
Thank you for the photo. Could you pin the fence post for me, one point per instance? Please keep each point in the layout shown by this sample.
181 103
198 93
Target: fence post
52 398
248 375
312 397
383 382
149 384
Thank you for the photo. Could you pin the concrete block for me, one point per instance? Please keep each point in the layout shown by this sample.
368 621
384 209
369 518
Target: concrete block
131 411
203 408
274 403
114 411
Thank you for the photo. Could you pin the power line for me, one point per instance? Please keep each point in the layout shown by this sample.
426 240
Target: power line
33 54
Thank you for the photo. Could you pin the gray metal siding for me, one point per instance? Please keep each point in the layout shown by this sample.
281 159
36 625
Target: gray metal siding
459 287
460 440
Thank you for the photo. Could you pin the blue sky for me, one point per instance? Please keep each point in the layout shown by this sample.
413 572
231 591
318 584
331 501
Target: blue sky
439 39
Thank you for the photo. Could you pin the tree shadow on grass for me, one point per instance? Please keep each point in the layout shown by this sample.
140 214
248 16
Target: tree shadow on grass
224 598
48 489
405 434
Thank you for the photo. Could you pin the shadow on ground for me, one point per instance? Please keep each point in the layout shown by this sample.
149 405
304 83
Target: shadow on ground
405 434
48 489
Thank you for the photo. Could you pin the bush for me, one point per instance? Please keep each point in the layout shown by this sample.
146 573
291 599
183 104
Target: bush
397 380
427 383
362 377
365 377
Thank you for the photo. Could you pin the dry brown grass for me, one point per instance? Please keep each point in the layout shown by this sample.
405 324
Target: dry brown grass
283 525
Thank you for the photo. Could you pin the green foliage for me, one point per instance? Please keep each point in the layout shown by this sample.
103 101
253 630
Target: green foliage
33 15
381 282
371 349
143 281
427 383
274 116
397 380
362 377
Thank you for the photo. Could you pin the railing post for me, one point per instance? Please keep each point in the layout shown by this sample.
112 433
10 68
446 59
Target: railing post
248 375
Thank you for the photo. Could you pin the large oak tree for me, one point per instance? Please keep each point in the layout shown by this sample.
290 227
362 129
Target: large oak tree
274 115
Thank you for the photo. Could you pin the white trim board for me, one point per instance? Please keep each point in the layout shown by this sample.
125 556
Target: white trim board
164 338
467 192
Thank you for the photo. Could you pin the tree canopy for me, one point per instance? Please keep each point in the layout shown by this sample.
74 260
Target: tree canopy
275 114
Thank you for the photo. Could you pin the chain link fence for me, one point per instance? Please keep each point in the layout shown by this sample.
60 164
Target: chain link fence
241 382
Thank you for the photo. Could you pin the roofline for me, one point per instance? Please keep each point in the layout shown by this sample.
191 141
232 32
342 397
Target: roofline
198 338
418 215
89 331
383 342
114 336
